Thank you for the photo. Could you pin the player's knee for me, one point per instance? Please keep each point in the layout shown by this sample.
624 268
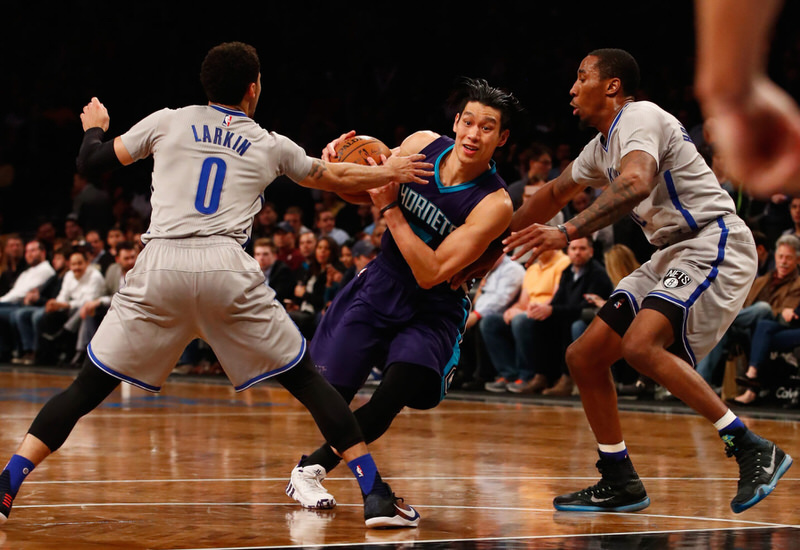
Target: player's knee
637 350
579 360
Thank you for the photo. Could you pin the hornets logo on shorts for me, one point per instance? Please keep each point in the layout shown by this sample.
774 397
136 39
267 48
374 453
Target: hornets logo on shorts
676 278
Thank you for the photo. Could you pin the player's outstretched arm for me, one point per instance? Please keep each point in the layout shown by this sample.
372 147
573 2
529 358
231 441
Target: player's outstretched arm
352 178
96 156
634 183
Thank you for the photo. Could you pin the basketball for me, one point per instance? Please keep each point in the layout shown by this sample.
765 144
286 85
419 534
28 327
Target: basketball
357 150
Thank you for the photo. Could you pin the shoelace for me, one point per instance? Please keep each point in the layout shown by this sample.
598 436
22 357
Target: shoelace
750 466
600 488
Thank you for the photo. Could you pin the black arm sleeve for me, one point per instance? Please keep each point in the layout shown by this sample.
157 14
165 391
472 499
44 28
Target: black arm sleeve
95 155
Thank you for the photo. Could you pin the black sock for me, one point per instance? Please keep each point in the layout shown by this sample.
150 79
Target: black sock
324 456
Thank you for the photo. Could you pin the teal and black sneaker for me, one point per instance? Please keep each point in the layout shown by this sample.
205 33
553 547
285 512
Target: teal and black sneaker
619 490
761 465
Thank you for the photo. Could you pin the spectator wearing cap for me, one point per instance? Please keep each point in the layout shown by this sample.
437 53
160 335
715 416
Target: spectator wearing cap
363 253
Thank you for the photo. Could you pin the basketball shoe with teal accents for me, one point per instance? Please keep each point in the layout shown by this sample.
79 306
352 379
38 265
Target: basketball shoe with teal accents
761 465
619 490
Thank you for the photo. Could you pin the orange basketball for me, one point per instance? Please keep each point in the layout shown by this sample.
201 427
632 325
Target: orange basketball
356 150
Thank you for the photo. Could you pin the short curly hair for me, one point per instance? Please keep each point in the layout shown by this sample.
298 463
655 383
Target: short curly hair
228 70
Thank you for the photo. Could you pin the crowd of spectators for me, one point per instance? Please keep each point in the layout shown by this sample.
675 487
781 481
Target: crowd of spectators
310 244
56 283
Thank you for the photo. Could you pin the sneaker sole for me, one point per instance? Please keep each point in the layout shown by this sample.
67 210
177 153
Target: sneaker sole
395 522
321 504
764 490
636 506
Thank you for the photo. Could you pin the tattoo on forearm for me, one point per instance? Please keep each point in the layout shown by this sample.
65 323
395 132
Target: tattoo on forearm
318 168
614 203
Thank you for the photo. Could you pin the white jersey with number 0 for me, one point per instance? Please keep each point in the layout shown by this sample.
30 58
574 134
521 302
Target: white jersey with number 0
211 166
687 196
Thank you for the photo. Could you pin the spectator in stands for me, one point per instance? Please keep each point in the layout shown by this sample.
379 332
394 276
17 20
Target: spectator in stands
25 320
307 243
113 238
766 256
553 333
265 222
363 252
781 335
285 240
277 274
46 234
769 296
35 276
61 321
317 287
99 258
13 262
508 335
92 311
535 163
326 227
794 212
73 231
498 289
294 217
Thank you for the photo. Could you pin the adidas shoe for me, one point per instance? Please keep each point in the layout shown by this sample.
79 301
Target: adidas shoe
383 510
761 465
305 486
6 496
619 490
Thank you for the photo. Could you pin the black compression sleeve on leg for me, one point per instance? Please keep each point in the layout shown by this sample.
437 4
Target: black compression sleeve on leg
403 385
59 415
329 409
96 156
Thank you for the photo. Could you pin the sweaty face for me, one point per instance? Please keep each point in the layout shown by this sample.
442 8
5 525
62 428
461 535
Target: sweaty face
478 133
588 92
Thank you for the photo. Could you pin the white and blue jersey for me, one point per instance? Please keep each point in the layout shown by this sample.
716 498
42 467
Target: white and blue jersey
706 260
687 196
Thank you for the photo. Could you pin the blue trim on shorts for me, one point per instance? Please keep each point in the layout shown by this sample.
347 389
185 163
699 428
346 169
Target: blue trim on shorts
712 275
108 370
272 373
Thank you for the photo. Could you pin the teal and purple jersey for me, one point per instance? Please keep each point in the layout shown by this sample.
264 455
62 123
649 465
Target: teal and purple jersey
383 317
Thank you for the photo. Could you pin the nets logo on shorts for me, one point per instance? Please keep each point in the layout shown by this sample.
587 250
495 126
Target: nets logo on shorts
675 278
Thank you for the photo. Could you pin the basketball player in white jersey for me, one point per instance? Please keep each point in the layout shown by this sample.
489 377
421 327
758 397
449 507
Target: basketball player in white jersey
671 311
194 279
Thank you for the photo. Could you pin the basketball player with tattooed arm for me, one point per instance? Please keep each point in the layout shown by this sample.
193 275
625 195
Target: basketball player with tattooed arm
194 279
400 312
670 312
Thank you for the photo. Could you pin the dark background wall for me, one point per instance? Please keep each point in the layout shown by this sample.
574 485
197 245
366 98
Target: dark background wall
381 68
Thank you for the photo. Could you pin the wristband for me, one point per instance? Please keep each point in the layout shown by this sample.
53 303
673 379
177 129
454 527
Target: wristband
563 229
389 206
477 315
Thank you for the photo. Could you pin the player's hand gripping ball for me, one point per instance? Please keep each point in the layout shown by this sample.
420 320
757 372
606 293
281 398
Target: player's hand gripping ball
357 150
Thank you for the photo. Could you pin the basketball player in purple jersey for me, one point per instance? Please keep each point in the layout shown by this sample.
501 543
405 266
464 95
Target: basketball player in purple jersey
400 312
671 311
211 164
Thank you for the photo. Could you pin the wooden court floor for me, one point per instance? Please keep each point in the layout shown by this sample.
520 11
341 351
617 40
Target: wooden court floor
201 467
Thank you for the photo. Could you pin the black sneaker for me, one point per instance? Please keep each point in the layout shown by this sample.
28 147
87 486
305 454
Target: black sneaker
619 490
6 496
383 510
761 465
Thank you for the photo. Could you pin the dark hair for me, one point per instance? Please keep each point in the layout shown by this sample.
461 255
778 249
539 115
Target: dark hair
534 151
616 63
228 70
125 245
477 89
